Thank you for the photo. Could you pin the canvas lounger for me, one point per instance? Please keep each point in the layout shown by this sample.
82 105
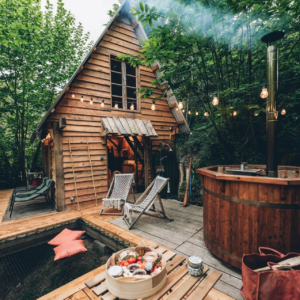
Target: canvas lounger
118 192
26 191
143 206
42 192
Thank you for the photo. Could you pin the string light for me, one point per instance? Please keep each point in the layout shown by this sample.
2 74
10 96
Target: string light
102 104
116 106
73 95
256 114
153 105
132 106
283 111
176 108
91 102
189 112
264 92
81 99
234 113
180 105
197 113
183 110
215 101
206 114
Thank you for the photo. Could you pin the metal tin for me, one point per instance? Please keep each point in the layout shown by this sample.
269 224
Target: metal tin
195 272
195 262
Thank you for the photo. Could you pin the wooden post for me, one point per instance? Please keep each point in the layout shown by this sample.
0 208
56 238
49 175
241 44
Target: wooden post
146 161
59 169
187 191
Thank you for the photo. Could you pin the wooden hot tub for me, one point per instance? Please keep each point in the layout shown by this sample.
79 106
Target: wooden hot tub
242 213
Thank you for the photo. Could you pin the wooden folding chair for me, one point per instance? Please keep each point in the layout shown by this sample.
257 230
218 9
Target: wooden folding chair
118 192
142 206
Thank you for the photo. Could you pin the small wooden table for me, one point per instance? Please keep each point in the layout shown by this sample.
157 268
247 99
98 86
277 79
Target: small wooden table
179 283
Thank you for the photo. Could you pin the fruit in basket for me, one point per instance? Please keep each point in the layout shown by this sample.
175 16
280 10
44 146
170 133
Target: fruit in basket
131 260
139 258
141 264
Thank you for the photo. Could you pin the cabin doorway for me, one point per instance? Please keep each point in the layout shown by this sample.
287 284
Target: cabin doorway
126 154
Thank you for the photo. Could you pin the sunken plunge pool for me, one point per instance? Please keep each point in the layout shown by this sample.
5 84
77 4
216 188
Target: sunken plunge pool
27 267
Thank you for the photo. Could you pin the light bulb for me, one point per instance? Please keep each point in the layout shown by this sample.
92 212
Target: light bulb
81 99
73 95
176 108
206 114
197 113
102 104
283 111
153 105
215 100
256 114
189 112
132 106
264 93
183 110
180 105
116 105
234 113
91 102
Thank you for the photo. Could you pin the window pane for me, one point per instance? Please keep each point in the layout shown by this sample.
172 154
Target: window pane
116 66
130 81
116 78
116 90
130 70
130 93
118 101
130 103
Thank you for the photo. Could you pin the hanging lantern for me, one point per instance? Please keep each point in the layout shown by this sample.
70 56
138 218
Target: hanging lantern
116 106
153 105
264 92
283 111
215 101
197 113
91 102
73 95
234 113
206 114
180 105
256 114
132 106
81 99
102 104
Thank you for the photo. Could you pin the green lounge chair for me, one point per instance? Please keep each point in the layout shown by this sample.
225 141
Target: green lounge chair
42 192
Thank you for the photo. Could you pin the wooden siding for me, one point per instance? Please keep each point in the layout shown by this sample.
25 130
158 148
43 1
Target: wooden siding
84 119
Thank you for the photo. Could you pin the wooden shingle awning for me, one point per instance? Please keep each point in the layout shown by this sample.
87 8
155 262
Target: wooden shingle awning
126 126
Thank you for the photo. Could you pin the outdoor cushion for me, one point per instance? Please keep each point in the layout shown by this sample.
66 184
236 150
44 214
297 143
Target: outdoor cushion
65 236
69 249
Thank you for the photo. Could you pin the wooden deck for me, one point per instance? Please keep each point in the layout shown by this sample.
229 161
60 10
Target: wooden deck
184 236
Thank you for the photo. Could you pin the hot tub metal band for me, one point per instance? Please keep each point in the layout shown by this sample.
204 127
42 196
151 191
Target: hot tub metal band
251 202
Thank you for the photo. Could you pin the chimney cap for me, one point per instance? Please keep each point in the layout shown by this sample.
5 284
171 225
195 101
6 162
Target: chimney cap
272 37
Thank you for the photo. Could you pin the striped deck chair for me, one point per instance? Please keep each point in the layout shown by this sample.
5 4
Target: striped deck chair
142 206
118 192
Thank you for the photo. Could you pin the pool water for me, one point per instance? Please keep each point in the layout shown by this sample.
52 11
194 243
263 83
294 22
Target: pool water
31 273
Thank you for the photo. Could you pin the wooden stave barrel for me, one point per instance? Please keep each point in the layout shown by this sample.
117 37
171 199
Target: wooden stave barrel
242 213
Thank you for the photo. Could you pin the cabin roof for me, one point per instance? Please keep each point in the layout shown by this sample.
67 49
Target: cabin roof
141 34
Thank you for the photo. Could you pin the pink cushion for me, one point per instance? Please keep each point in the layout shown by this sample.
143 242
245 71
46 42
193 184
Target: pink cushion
66 236
69 249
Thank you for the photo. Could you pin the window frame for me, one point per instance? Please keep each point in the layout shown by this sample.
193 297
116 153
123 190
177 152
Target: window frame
124 86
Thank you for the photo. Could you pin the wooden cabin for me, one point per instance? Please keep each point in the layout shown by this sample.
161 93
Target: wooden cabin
98 125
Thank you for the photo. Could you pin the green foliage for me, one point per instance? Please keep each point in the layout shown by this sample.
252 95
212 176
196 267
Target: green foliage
215 46
39 51
112 11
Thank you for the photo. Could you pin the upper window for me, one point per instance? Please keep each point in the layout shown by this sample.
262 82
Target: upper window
123 85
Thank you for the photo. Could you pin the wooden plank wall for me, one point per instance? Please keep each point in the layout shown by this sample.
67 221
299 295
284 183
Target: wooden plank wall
84 119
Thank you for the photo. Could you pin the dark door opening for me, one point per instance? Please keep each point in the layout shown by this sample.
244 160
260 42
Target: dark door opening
126 155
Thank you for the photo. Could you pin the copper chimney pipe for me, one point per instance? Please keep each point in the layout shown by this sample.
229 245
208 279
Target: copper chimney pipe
271 109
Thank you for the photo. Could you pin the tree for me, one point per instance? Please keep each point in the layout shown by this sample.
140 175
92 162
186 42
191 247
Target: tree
39 51
213 46
112 11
